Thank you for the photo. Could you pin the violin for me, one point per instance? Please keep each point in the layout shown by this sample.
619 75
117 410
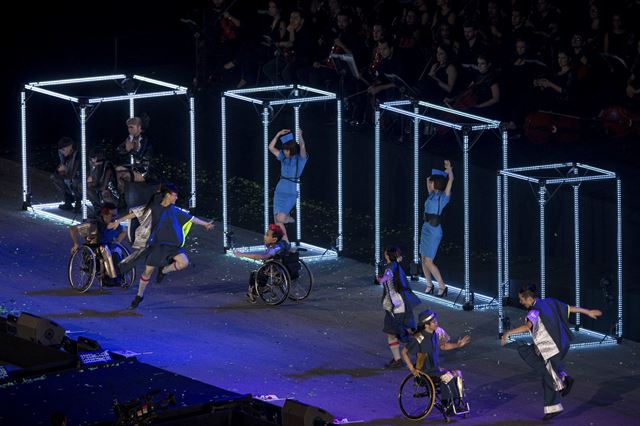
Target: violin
335 50
376 60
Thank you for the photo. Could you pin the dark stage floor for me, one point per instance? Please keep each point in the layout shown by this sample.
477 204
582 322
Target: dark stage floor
327 351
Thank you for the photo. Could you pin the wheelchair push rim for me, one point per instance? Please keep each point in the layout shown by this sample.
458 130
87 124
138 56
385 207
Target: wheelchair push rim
300 287
271 283
416 396
81 270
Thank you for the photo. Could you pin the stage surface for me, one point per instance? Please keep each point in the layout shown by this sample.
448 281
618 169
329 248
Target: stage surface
327 351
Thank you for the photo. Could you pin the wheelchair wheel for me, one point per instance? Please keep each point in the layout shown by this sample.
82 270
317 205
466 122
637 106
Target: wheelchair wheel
129 277
300 287
272 282
416 396
82 269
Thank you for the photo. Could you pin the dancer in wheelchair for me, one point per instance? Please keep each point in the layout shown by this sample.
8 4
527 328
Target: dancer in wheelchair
398 301
425 346
275 245
97 233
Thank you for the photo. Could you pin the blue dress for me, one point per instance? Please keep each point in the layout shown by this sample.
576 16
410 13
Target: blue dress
431 235
286 193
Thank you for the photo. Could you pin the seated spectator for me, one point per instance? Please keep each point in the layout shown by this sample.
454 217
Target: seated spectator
472 46
444 37
633 83
102 184
444 13
617 41
136 154
67 178
555 91
522 70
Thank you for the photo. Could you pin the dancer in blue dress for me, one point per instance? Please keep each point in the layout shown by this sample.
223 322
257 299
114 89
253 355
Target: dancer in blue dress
293 157
439 187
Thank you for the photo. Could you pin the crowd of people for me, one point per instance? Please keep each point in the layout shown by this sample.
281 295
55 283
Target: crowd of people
504 59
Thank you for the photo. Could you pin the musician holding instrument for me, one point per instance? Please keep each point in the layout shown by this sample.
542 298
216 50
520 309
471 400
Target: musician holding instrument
294 53
442 77
221 35
483 94
346 42
555 91
383 88
258 49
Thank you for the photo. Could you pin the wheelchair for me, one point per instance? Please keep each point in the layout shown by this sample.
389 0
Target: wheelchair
282 277
418 395
98 261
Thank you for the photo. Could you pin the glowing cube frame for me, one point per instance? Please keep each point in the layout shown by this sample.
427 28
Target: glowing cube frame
475 123
83 104
247 95
567 173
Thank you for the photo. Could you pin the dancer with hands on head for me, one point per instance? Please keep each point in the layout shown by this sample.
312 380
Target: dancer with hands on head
439 187
293 157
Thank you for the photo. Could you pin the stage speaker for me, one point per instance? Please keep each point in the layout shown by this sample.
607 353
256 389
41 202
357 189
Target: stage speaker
296 413
39 330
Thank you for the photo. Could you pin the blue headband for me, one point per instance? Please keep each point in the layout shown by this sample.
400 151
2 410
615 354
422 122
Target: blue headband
439 172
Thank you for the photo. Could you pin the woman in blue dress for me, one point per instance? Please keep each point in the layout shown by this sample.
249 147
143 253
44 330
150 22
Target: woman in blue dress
293 157
439 187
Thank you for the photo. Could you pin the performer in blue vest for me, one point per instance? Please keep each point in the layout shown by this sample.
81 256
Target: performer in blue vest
548 323
169 228
292 157
439 187
398 301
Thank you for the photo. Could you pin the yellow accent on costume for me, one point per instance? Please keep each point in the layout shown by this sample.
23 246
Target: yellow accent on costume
185 230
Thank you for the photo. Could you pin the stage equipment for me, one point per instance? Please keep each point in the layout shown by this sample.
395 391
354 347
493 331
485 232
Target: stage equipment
86 106
39 330
296 413
544 177
294 95
465 124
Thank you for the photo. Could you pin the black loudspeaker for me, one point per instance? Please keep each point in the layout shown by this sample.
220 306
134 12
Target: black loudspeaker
296 413
39 330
